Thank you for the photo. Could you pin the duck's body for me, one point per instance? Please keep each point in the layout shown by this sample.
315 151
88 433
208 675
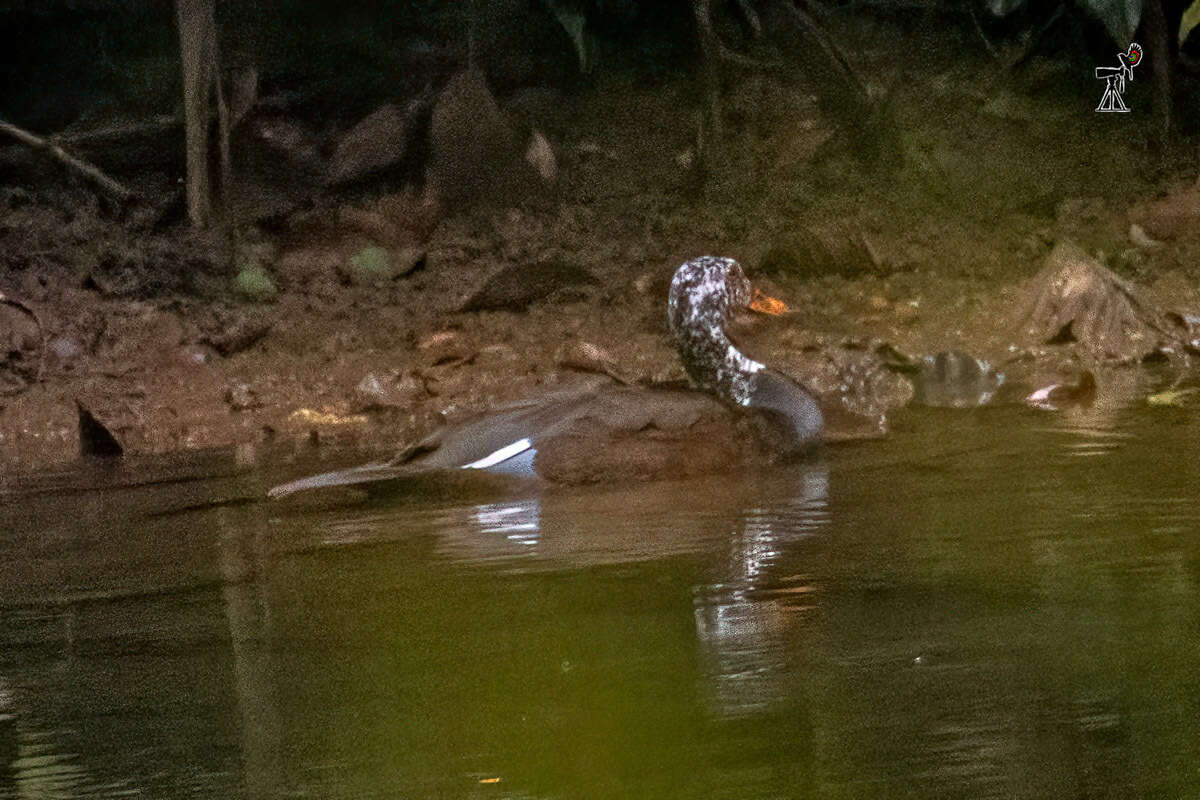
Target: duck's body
606 431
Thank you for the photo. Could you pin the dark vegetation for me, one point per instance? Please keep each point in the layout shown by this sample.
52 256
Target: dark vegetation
396 208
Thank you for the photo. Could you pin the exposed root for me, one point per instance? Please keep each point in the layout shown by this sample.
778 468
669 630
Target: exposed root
1077 299
17 304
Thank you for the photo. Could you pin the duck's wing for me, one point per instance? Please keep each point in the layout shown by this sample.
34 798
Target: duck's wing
489 440
497 440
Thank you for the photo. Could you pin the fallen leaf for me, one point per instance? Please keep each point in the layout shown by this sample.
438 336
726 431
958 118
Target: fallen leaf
312 417
1171 397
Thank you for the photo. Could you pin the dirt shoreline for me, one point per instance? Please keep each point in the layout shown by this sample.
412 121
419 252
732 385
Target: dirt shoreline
160 388
859 257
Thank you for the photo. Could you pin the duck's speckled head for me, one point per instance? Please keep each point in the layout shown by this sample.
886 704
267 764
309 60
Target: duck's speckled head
704 293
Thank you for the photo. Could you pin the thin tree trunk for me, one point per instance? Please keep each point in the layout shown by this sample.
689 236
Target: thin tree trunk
197 50
1161 55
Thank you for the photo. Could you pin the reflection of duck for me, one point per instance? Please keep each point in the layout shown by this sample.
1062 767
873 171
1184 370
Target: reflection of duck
608 431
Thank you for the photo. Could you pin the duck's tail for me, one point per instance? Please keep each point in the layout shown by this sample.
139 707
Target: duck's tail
355 476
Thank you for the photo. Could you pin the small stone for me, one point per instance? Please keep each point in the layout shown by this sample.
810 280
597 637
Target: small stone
448 383
878 302
1138 235
407 260
197 354
236 332
540 155
241 397
587 357
496 354
443 347
472 146
373 392
515 287
376 142
65 349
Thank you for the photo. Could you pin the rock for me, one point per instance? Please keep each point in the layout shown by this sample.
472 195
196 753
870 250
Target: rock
1138 235
953 379
644 283
443 347
375 225
499 353
1176 216
407 260
378 141
517 286
587 357
536 104
373 393
472 146
65 349
818 250
241 397
95 440
19 332
197 355
446 382
540 156
229 334
417 215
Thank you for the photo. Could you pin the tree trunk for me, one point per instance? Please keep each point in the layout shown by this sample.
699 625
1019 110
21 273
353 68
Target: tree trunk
1160 51
197 50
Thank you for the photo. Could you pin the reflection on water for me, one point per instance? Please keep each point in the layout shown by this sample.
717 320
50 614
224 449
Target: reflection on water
742 620
968 608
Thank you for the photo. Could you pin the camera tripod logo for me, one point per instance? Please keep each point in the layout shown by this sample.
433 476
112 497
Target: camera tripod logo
1114 80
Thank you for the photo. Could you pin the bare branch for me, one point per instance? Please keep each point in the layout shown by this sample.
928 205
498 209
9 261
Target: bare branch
713 44
88 170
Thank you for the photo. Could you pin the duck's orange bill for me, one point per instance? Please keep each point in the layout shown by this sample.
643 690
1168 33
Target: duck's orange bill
765 304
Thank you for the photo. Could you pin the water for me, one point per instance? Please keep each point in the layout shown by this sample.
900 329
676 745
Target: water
997 603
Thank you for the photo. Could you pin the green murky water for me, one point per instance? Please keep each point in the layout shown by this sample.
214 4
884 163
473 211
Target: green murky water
998 603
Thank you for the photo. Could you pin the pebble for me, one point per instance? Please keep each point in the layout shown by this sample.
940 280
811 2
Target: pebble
65 349
443 347
373 392
241 397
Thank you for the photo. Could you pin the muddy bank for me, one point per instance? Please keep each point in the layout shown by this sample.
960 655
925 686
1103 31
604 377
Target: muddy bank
924 259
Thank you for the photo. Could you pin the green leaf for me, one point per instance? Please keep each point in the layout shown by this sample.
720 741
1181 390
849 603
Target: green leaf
371 265
1170 397
1191 18
254 283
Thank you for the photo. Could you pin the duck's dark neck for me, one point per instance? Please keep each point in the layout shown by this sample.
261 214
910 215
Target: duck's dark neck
794 412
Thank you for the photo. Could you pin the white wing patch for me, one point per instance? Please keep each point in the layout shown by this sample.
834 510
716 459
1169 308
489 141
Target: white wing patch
503 454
